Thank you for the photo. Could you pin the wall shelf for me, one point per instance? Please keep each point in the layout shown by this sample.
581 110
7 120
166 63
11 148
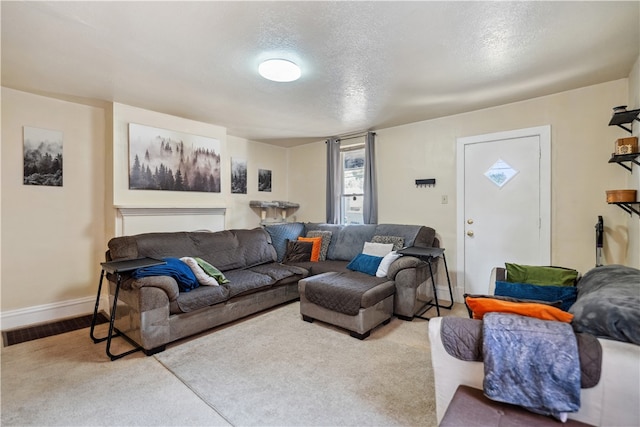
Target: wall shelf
629 207
624 117
621 158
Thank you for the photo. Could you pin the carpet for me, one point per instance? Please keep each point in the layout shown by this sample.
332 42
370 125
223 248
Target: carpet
276 370
67 380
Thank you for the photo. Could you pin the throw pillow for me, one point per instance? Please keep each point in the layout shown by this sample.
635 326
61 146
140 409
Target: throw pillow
280 233
566 294
398 242
297 251
377 249
556 304
481 306
365 264
388 259
538 275
315 250
212 271
203 278
326 240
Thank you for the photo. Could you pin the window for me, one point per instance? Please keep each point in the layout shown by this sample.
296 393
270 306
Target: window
352 194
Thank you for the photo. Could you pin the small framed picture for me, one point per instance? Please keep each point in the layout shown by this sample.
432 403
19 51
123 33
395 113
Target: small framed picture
42 157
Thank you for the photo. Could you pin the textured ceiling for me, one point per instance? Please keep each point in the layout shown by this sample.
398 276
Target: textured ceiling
365 65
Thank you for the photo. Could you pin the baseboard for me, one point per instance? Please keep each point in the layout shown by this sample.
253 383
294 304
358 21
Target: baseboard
22 317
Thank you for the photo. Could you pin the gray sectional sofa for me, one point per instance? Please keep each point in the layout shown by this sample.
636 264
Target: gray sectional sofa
153 311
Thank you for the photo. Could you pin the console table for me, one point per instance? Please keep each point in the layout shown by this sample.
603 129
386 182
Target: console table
117 267
430 255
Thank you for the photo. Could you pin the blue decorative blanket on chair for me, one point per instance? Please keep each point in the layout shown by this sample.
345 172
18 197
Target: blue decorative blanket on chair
532 363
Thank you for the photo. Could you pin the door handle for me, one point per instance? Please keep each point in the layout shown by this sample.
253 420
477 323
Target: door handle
470 233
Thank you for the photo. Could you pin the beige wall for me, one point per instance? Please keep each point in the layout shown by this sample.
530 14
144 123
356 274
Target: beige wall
63 231
582 144
52 237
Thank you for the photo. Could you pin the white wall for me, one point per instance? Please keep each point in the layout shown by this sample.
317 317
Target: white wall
582 143
633 179
52 237
257 155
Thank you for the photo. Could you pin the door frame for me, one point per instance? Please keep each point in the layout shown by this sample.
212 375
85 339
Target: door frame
544 134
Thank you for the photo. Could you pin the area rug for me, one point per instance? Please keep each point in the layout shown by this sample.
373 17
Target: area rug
274 369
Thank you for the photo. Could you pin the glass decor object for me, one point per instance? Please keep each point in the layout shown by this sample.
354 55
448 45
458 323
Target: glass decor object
500 173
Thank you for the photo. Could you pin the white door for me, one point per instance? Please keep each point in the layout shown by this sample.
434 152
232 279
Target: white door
503 203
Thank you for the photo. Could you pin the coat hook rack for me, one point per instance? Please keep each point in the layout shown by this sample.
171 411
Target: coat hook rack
430 182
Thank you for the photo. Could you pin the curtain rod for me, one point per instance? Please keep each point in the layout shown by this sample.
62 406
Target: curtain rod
359 135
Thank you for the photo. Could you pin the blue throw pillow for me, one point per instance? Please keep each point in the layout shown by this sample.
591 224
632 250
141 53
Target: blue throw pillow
566 294
365 264
280 233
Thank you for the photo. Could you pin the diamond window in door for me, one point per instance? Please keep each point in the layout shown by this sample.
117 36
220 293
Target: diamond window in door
500 173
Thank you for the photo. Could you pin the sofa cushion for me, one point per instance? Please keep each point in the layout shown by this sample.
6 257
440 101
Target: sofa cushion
608 303
227 250
414 235
364 263
566 294
377 249
350 241
317 245
326 240
280 233
243 282
333 228
397 242
297 251
202 296
482 306
541 275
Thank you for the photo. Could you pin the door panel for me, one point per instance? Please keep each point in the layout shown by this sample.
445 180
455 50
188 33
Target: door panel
502 209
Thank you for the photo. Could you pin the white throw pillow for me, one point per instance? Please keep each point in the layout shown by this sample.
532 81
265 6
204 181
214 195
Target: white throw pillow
377 249
203 278
388 259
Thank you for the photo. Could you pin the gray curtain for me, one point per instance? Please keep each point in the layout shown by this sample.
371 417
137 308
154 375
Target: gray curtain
334 183
370 201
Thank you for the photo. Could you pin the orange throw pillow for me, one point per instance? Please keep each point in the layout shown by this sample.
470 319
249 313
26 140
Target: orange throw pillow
317 245
481 306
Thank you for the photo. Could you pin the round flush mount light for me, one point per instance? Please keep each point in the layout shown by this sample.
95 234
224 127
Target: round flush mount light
279 70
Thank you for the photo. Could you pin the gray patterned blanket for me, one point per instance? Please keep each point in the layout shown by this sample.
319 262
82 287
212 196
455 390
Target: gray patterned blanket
532 363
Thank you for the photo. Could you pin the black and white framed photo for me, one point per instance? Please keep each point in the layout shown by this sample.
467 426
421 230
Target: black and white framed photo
264 180
161 159
238 176
42 149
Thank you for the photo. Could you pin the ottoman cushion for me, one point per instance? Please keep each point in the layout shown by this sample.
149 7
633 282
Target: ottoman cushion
346 292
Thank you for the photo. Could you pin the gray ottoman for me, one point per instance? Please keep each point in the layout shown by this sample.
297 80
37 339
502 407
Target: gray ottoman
376 301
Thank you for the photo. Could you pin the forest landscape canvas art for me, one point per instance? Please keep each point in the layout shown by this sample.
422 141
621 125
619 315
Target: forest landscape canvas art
161 159
42 157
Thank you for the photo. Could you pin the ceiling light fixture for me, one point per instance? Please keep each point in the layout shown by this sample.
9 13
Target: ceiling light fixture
279 70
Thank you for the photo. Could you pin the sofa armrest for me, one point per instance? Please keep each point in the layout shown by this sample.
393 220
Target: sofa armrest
166 283
402 263
448 371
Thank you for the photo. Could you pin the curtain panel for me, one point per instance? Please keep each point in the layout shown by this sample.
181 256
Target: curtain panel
334 184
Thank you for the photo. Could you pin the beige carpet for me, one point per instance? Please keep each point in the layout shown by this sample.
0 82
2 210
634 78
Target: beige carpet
66 380
277 370
269 369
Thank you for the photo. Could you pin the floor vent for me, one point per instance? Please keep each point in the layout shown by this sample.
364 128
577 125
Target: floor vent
31 333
